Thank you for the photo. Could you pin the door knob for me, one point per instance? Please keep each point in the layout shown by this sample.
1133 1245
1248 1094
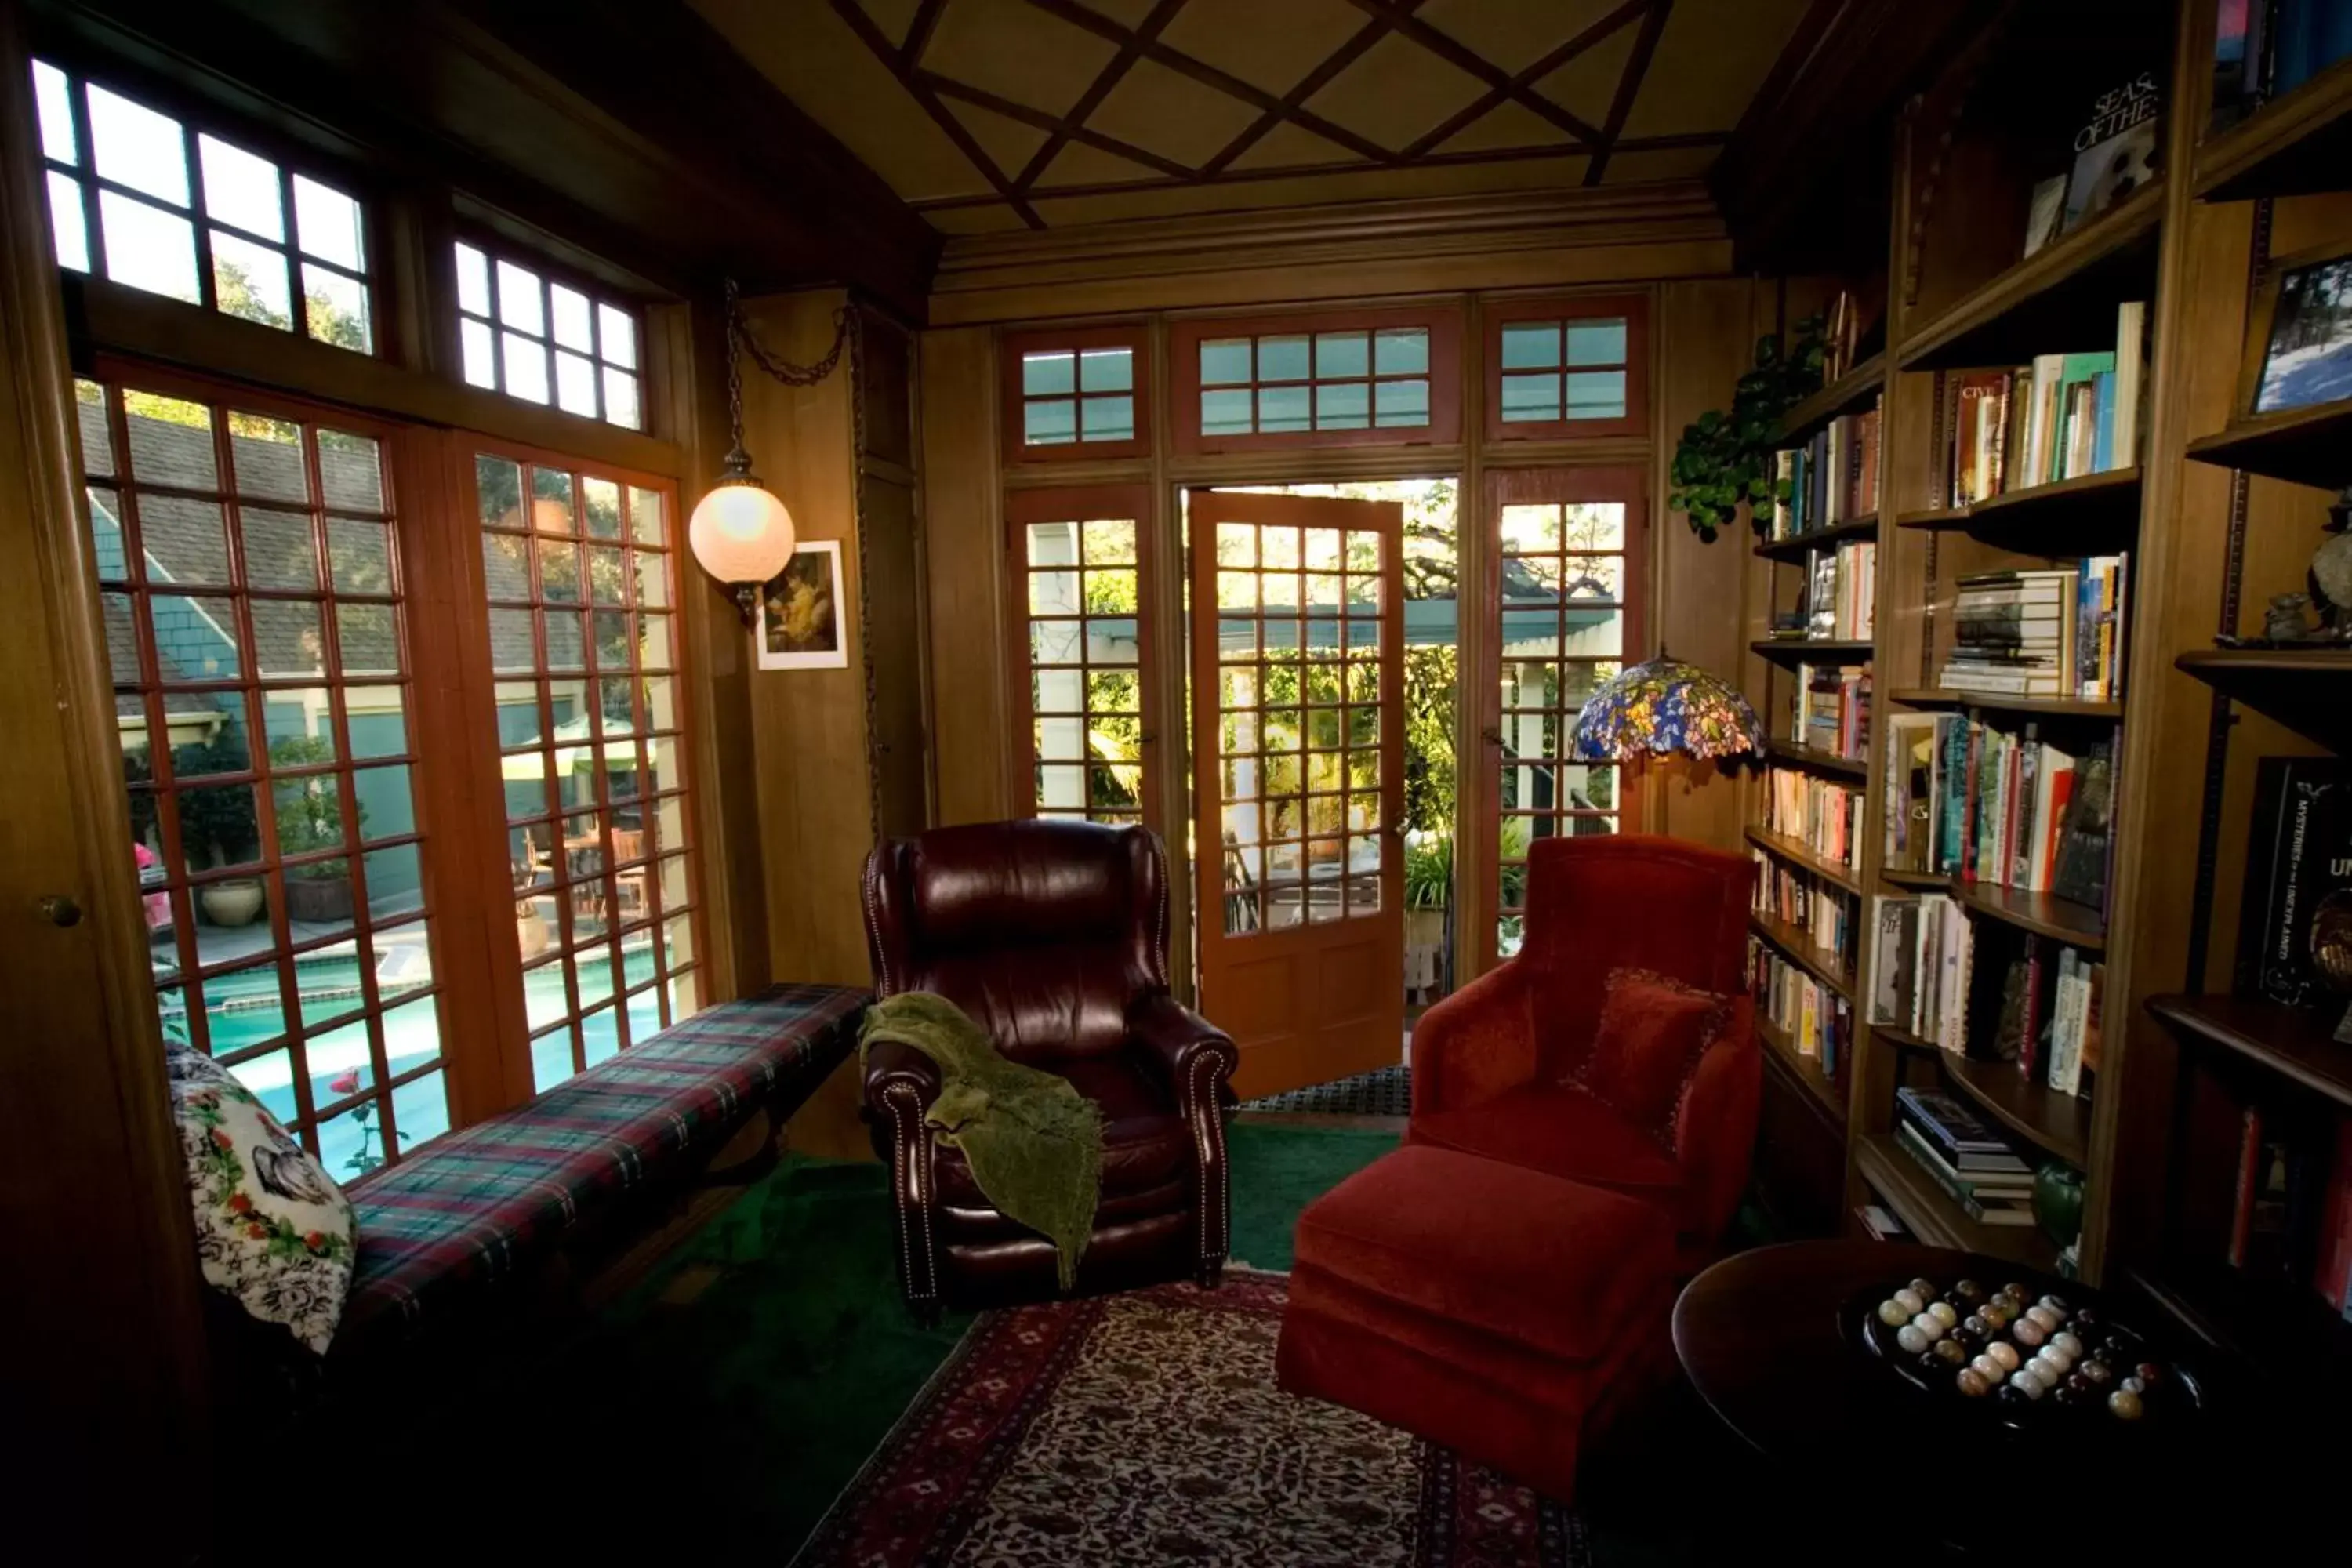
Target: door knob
61 911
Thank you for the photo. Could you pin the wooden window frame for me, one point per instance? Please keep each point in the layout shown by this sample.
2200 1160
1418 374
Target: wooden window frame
1063 504
493 888
1554 486
197 119
1442 323
600 296
1636 310
1136 338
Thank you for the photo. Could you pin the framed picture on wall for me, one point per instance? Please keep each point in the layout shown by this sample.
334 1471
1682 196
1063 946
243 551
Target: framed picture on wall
804 623
2299 338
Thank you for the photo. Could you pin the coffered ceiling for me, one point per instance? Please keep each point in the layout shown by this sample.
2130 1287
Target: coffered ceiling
989 115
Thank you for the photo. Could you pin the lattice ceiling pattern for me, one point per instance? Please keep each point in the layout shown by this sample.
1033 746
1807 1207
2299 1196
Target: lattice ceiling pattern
1002 114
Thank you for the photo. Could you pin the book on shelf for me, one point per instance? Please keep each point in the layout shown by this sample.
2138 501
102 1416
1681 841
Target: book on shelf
1830 480
1923 956
2300 40
2086 829
1809 906
2117 150
1842 591
2295 923
1822 815
1957 1132
1969 798
1829 709
1881 1224
2331 1274
1816 1021
2049 632
1997 1206
2047 1003
2061 417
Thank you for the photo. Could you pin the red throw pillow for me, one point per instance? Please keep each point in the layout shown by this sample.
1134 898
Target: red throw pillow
1653 1029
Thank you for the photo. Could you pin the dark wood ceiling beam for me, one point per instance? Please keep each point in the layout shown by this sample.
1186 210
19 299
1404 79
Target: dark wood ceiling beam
1587 39
919 31
1629 88
1109 77
980 97
872 37
1306 86
1207 75
1498 81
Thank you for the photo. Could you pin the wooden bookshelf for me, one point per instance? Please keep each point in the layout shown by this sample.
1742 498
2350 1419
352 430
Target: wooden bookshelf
2292 146
2052 1120
1929 1212
1798 947
2044 706
2308 689
2304 445
1813 757
1804 544
1805 1069
1813 650
1802 855
2059 300
2278 1327
2089 514
2043 915
1925 881
1852 393
2291 1042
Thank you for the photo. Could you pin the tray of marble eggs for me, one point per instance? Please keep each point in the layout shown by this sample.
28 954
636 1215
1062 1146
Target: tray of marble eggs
2028 1361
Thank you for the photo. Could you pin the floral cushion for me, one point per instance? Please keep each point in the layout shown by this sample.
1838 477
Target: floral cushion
1653 1029
272 1228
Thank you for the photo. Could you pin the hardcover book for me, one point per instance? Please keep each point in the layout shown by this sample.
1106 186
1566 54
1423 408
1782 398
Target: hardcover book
2295 942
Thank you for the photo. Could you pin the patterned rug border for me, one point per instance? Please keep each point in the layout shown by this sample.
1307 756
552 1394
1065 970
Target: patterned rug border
1257 1291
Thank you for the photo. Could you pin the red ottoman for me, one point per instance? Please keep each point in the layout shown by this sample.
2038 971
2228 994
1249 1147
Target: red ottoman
1497 1311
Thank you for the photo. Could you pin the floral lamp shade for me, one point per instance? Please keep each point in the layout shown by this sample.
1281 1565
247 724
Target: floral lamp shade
1665 707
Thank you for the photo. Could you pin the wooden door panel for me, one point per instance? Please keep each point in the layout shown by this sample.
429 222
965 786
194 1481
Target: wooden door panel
1297 669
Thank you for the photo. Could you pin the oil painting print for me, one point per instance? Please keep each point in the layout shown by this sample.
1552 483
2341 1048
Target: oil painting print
2307 358
801 612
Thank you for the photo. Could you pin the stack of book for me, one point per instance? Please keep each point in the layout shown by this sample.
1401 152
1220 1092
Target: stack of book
1830 709
1976 1168
1966 798
1830 480
1921 952
1842 591
1825 817
1815 1020
1807 905
2061 417
2048 633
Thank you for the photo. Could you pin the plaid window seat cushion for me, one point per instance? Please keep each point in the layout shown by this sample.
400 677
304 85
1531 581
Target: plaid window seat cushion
466 1211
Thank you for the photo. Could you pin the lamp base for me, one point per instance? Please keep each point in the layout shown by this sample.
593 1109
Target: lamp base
747 599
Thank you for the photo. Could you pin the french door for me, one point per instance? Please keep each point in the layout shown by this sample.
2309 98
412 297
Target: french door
1299 782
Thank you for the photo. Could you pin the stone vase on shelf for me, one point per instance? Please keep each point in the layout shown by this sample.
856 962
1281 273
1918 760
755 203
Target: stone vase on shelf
2058 1203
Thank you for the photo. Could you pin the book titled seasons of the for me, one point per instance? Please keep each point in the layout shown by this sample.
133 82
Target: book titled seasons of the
2297 922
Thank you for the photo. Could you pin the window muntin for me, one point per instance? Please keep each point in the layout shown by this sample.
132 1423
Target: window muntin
1567 368
164 207
543 340
1075 395
1079 562
1286 383
250 584
580 575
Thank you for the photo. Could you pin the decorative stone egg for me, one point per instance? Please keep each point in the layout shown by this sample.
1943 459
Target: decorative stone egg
1891 1313
2029 1333
2024 1381
1972 1383
1913 1302
1968 1290
1996 1317
2097 1372
2149 1373
1974 1324
2124 1404
2132 1386
2052 1368
1943 1312
1969 1343
1912 1340
1991 1370
2077 1382
2065 1340
2066 1393
1928 1363
2002 1351
2088 1318
2009 1395
2055 1302
2050 1321
1952 1352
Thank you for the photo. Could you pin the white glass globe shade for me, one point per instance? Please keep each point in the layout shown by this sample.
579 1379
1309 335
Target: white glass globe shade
740 531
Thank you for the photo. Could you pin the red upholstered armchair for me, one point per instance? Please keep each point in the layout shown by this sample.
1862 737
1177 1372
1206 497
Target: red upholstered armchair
1053 937
1521 1065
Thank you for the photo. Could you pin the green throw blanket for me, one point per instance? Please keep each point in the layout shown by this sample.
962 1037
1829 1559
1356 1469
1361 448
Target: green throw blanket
1034 1143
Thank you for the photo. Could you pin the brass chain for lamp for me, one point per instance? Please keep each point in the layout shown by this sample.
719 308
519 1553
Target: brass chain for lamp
740 342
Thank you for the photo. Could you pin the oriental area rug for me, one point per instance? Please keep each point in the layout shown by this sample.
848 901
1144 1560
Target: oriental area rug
1147 1429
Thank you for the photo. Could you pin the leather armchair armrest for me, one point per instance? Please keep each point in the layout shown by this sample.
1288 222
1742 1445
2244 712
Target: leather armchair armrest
890 1063
1165 1032
1475 1045
1714 1122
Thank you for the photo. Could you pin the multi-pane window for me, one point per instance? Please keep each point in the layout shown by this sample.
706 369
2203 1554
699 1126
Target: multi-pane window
581 579
250 581
1567 368
1075 394
1358 378
1562 630
1081 578
529 336
146 200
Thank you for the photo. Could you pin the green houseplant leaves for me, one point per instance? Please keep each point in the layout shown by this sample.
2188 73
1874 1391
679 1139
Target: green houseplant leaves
1725 459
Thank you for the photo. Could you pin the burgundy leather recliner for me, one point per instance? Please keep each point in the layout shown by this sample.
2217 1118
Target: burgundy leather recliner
1052 935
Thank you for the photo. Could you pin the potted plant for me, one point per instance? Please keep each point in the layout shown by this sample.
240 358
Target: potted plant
220 821
310 819
1724 461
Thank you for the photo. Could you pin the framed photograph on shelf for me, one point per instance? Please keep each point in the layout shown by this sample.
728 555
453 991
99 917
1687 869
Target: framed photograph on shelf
2299 337
802 618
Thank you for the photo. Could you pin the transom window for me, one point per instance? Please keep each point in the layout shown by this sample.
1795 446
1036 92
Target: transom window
147 201
579 572
1075 394
1567 367
1329 380
1078 555
529 336
249 576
